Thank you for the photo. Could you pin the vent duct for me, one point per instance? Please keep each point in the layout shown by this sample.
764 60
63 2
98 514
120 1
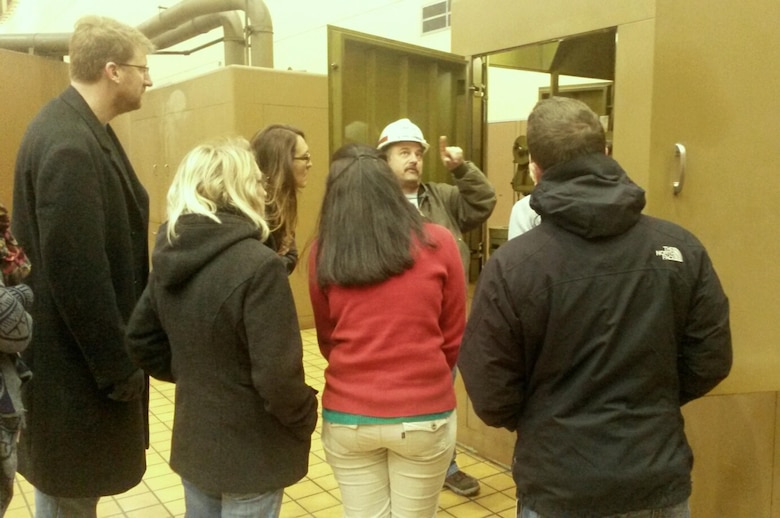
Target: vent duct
250 45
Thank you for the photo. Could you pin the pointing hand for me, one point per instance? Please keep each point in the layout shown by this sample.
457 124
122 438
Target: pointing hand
451 156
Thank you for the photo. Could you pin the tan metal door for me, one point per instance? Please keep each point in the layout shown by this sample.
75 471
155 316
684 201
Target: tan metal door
373 81
715 91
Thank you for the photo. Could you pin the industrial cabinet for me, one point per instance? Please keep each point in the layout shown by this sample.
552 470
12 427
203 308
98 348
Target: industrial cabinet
703 79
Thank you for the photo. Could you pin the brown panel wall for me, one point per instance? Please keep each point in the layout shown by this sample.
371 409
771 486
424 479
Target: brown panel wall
496 444
687 73
28 83
733 441
232 101
501 167
276 96
716 93
480 27
633 101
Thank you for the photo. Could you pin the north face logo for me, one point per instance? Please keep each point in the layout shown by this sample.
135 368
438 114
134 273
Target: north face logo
670 253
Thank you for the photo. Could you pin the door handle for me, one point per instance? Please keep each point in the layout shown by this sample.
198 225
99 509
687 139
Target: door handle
680 154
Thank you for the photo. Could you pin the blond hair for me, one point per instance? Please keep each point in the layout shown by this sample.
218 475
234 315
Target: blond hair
214 176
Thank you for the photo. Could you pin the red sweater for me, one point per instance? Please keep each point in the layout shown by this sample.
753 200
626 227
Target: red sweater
391 347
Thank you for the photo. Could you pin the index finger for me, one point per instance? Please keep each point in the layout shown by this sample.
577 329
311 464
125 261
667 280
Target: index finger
442 143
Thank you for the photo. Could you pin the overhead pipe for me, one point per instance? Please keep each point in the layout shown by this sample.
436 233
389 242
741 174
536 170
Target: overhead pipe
232 28
54 44
259 30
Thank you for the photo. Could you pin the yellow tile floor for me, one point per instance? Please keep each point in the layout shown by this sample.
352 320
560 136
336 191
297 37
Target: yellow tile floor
160 494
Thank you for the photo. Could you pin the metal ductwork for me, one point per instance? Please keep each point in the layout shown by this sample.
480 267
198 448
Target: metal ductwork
232 28
259 33
53 45
179 23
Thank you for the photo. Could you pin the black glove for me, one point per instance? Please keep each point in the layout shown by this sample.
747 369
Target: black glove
130 388
23 294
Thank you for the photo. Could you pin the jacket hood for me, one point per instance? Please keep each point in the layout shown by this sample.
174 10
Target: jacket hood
200 239
590 196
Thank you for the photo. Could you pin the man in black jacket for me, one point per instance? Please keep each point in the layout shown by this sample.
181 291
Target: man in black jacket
82 215
588 333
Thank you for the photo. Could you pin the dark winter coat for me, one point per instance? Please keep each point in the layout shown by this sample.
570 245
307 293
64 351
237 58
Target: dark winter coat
82 216
218 319
586 335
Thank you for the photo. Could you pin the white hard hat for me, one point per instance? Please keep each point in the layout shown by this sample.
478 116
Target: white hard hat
402 130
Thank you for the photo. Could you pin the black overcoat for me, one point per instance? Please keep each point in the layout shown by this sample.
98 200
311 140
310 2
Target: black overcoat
81 214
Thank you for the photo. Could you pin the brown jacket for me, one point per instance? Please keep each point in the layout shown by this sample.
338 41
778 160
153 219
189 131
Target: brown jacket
460 207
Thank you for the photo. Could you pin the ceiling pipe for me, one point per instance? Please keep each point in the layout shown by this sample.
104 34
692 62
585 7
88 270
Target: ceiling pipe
55 44
232 28
259 31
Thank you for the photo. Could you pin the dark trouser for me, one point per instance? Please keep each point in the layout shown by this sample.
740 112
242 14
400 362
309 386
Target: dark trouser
680 510
9 433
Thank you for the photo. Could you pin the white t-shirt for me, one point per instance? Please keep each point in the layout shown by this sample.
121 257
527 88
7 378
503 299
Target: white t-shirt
523 218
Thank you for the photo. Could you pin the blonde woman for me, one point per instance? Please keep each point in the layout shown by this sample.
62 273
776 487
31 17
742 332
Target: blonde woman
218 319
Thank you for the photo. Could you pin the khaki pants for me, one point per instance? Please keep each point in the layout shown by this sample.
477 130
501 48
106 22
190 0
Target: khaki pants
390 469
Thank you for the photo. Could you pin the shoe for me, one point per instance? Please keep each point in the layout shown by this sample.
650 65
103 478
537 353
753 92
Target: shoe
462 484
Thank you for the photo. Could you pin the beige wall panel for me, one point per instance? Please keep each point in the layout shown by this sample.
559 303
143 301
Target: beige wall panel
250 119
715 91
733 440
172 120
184 130
28 83
122 126
776 462
233 101
266 97
201 91
144 134
151 106
496 444
633 101
480 27
280 87
178 132
314 123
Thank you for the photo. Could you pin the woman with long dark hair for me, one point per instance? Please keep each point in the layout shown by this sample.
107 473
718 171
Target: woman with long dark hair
388 295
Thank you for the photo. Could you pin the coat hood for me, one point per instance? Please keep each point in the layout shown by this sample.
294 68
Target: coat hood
200 239
590 196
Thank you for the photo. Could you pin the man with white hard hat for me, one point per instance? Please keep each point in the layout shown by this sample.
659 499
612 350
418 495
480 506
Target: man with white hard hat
460 207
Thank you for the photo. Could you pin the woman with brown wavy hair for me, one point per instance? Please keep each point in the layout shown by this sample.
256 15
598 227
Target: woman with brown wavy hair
282 154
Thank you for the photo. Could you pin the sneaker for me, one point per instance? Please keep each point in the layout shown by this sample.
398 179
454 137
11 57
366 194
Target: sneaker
462 484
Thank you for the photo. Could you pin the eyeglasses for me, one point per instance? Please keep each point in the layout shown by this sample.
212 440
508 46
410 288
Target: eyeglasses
306 157
141 67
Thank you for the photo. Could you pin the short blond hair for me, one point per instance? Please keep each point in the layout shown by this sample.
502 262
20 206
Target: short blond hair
217 175
97 40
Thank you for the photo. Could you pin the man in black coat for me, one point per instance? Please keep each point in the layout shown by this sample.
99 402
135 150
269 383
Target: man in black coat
81 214
588 332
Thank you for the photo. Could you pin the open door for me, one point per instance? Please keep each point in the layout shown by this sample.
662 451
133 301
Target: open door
373 81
